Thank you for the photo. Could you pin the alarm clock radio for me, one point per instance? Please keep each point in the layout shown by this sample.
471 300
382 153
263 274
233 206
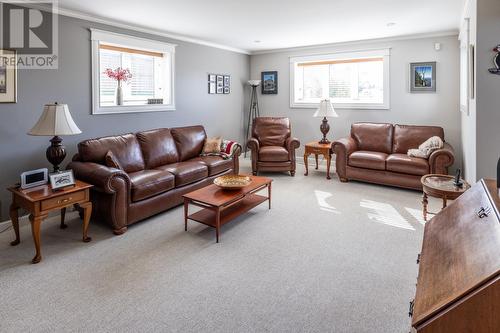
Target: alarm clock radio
34 178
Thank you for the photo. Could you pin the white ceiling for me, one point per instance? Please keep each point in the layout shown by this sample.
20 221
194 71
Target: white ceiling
278 23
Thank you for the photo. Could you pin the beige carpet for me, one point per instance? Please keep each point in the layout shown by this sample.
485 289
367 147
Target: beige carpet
328 257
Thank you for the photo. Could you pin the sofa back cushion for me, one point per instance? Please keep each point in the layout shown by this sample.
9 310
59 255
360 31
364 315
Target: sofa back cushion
373 136
271 131
410 136
158 147
189 141
125 149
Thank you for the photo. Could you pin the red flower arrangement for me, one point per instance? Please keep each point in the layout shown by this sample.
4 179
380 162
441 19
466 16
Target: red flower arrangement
119 74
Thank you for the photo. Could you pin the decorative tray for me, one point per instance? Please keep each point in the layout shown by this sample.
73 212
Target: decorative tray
232 182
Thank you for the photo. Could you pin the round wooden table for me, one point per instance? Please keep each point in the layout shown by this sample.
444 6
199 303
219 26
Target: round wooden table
440 186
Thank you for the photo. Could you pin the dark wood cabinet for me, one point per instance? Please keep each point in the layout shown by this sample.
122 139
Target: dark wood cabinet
458 286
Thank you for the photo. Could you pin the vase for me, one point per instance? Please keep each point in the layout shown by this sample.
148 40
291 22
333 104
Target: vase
119 95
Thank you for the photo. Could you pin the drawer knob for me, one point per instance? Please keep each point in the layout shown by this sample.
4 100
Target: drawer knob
483 212
65 200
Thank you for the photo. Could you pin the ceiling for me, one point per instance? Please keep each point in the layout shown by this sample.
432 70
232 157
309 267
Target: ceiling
256 25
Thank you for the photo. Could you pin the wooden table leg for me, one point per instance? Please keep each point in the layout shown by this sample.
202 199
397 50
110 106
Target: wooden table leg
425 202
217 224
306 158
14 217
316 158
35 230
87 212
328 162
63 216
186 209
444 202
269 194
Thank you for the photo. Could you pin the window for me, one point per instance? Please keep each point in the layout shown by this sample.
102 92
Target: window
358 80
150 85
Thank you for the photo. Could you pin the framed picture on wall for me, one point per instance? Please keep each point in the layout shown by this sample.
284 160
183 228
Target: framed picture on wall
220 84
423 77
8 76
269 82
211 88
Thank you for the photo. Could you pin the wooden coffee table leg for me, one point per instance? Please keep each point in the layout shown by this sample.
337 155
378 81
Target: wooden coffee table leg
306 157
217 224
444 202
269 194
186 208
425 202
14 217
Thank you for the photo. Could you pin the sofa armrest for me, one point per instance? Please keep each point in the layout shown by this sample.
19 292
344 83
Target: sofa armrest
102 177
254 146
441 159
342 149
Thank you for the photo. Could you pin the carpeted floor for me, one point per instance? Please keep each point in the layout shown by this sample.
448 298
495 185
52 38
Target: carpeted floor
328 257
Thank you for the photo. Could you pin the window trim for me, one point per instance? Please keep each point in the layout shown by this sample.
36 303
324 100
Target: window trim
98 36
384 53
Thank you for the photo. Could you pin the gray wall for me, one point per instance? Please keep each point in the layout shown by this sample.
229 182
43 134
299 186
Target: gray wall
440 108
71 84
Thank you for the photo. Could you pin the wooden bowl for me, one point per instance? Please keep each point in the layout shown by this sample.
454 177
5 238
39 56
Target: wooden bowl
232 182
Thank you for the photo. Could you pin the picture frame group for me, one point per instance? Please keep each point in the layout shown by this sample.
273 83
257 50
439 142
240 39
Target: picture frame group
219 84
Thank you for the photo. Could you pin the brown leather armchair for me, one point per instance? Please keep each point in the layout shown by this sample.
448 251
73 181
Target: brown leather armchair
271 145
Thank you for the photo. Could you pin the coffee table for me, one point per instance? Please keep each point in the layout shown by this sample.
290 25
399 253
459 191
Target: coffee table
440 186
222 206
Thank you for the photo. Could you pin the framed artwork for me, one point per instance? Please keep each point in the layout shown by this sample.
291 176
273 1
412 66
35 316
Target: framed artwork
227 90
211 87
269 82
8 76
220 84
227 80
211 77
423 77
61 179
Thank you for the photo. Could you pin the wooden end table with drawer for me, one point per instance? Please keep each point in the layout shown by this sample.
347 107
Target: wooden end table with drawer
317 148
41 200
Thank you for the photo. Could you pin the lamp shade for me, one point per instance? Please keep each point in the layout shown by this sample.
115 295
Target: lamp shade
325 109
254 83
55 120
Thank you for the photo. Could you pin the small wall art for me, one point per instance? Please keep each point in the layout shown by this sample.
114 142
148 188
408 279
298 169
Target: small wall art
269 82
219 84
423 77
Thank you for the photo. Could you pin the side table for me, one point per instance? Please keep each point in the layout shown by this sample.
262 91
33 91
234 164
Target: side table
41 200
440 186
317 148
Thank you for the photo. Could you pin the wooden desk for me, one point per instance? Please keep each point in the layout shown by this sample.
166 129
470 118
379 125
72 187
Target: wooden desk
41 200
317 148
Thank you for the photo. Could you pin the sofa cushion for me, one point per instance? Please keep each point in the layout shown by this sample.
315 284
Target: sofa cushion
158 147
403 163
410 137
148 183
125 149
273 154
271 131
189 141
373 136
215 164
368 160
186 172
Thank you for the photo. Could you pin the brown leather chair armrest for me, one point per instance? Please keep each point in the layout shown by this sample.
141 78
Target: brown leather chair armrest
102 177
342 149
441 159
236 159
292 144
253 144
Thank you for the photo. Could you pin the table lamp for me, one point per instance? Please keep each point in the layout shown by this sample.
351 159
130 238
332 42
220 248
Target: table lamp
55 121
325 110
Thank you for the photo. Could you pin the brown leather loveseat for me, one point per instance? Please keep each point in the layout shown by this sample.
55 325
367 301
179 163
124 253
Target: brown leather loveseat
377 153
156 168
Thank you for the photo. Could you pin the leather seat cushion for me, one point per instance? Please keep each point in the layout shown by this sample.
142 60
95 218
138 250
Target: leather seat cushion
403 163
273 154
186 172
368 160
215 164
148 183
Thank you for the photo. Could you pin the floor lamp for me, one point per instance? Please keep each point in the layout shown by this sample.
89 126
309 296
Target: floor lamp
254 110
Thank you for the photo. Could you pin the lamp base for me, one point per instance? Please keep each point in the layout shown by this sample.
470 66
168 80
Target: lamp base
56 153
324 128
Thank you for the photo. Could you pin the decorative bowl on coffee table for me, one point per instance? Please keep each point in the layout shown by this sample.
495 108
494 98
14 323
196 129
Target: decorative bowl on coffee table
232 182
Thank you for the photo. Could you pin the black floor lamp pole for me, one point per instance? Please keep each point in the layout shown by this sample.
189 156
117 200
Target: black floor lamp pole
252 114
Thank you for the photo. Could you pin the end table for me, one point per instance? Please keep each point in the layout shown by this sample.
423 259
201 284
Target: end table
41 200
317 148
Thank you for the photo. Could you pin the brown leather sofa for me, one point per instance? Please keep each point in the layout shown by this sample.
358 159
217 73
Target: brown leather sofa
377 153
271 145
157 168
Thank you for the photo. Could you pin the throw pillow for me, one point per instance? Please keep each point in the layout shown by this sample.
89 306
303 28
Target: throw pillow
212 145
427 147
112 161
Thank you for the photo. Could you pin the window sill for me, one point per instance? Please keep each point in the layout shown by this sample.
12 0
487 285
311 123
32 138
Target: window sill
360 106
132 109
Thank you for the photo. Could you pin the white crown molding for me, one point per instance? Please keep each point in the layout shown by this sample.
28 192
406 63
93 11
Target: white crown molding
118 24
447 33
